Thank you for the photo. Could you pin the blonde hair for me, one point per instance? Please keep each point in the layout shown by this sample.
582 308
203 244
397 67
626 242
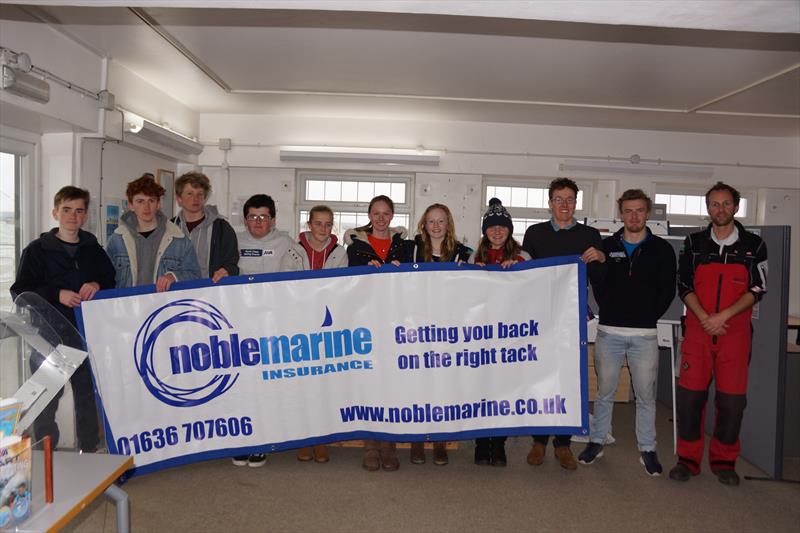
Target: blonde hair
449 242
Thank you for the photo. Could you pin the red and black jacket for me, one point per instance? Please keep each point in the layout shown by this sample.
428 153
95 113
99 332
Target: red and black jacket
720 277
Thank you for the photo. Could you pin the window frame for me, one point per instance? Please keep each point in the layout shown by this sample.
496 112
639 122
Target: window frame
684 189
586 187
304 176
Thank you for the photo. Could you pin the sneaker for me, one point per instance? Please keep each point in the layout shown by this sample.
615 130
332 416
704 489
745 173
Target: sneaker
256 460
728 477
240 460
651 464
680 472
592 451
565 457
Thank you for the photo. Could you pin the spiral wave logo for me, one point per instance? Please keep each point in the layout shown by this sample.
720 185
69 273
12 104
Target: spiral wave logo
178 312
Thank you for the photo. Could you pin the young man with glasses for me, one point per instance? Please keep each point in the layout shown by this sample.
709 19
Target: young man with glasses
562 235
638 288
261 245
261 250
722 273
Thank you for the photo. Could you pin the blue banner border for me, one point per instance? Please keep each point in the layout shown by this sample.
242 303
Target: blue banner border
583 429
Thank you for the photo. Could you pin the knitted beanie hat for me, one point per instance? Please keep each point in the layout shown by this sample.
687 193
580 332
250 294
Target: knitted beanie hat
496 215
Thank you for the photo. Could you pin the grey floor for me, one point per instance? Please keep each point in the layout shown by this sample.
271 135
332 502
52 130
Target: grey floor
614 494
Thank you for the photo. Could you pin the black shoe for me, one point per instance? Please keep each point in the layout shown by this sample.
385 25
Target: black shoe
498 454
256 460
680 472
483 454
593 450
240 460
728 477
651 464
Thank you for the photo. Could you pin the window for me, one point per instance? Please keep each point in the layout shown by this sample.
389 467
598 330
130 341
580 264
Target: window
527 200
688 207
10 238
348 195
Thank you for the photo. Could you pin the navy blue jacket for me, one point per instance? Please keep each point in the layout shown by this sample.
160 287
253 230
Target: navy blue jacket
636 290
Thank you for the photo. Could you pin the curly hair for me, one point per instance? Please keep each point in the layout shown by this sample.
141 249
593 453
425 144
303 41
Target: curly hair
145 185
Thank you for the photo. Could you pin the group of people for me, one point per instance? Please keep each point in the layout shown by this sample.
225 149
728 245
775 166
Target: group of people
722 273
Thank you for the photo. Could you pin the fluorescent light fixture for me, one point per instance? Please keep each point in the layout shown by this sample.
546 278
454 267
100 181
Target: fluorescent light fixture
142 128
379 156
638 169
25 85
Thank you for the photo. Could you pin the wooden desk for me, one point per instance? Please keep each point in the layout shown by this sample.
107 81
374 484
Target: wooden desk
77 480
794 324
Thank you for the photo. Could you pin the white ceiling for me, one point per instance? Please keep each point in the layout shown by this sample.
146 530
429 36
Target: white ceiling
474 68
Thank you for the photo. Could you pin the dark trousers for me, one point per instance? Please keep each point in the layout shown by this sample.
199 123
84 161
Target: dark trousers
86 425
559 441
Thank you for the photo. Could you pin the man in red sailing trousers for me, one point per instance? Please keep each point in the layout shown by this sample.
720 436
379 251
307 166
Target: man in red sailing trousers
722 273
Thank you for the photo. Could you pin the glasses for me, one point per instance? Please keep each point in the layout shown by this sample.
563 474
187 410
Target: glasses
258 218
562 201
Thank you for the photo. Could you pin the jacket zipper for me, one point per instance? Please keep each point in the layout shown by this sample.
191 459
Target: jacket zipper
716 308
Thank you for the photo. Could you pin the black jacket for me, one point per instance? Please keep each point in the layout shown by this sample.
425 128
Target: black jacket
462 252
542 241
45 268
360 251
637 290
224 250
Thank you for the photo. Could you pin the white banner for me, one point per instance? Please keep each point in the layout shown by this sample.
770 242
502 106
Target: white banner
279 361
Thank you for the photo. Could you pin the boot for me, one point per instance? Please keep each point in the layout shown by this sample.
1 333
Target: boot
440 453
321 453
372 458
483 452
418 453
304 454
498 451
388 454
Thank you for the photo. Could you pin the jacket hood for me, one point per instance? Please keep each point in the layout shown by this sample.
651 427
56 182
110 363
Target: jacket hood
129 219
362 235
306 235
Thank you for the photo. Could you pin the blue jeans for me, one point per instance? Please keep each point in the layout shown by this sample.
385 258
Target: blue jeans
642 353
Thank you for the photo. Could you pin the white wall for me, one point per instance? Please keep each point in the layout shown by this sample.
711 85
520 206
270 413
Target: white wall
473 151
120 164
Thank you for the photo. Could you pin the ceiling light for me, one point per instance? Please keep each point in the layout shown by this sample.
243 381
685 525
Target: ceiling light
379 156
141 128
638 169
25 85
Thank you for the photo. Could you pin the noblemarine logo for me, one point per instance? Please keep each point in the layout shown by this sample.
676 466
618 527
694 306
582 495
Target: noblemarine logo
176 314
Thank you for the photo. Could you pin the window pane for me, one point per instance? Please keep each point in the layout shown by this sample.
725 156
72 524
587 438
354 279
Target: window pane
333 191
490 191
398 193
361 219
315 190
366 190
383 188
695 205
9 218
742 208
579 201
348 221
519 197
349 191
503 194
677 204
401 220
663 199
536 198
